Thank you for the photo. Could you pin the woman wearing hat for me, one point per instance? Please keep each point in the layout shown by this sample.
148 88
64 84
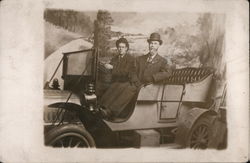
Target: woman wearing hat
119 94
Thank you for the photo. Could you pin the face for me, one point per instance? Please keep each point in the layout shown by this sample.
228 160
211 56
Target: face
153 47
122 48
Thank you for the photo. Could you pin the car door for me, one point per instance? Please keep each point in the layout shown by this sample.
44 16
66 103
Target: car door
169 101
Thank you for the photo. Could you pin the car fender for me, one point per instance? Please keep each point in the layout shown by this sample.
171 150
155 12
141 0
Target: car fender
51 111
67 106
82 112
186 122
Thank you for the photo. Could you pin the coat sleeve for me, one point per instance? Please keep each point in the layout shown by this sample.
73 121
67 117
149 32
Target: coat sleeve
164 72
133 77
124 70
113 60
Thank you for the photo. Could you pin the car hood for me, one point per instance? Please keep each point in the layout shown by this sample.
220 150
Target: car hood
54 96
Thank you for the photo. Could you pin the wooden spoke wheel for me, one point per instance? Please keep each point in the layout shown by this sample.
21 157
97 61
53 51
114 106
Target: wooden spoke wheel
200 134
69 136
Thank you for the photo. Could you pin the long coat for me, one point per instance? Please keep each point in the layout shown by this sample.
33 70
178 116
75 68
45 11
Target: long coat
121 91
122 67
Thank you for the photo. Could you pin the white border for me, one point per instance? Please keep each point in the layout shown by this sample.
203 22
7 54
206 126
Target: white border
21 69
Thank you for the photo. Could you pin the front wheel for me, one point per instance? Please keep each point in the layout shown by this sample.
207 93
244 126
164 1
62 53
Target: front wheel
69 136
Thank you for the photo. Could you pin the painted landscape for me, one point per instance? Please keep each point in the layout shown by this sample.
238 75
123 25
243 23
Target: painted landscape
189 39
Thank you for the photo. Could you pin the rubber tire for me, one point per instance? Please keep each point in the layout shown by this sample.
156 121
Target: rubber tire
203 120
67 129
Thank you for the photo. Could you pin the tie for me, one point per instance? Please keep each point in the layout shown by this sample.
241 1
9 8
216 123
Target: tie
150 59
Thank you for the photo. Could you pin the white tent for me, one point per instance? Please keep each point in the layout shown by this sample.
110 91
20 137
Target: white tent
52 61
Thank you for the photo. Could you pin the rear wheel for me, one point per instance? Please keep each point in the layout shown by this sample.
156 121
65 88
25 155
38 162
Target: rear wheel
69 136
200 134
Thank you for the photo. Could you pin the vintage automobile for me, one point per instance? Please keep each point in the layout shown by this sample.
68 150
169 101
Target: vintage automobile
185 110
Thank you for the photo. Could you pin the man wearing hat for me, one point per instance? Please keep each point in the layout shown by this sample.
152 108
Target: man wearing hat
152 67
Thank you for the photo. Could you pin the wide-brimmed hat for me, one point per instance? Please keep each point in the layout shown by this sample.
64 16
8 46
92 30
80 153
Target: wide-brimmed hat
155 37
122 40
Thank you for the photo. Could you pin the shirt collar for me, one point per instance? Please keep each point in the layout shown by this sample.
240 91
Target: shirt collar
122 55
151 57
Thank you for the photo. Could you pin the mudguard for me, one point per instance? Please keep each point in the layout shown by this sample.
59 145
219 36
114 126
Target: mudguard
53 112
84 114
68 106
186 122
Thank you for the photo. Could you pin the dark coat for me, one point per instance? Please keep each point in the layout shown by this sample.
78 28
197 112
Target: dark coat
120 92
152 72
122 67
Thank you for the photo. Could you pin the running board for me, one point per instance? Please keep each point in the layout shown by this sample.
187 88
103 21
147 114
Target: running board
171 146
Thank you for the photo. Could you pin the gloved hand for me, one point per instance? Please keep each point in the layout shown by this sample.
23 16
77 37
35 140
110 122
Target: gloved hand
137 83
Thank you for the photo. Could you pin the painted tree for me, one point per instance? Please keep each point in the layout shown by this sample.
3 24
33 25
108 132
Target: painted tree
212 33
102 31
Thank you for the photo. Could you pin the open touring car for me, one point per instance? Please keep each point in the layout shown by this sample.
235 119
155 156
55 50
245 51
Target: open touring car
185 110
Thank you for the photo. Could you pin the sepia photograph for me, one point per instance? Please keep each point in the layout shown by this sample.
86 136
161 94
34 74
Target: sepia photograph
134 79
124 81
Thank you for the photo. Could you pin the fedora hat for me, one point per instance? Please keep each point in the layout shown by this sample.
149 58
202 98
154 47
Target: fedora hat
155 37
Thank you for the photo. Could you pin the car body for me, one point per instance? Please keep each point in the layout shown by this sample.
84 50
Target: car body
162 114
